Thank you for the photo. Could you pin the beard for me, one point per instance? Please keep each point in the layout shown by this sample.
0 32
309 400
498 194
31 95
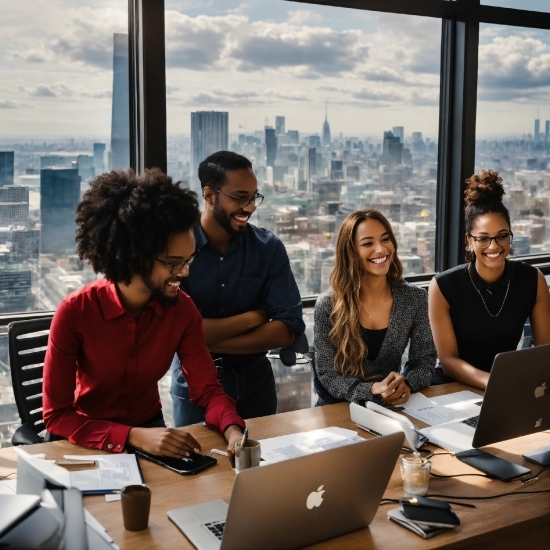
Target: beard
158 294
224 220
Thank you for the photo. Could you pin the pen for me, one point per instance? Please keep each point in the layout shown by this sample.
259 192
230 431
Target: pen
245 437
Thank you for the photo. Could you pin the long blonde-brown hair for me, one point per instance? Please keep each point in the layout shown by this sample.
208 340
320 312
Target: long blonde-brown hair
345 281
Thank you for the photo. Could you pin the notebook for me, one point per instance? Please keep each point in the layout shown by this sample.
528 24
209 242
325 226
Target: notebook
299 501
516 403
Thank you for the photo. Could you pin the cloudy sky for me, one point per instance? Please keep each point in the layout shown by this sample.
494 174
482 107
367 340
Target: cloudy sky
258 59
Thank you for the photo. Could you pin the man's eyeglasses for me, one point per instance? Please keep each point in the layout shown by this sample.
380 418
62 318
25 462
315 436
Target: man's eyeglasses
502 239
177 267
242 202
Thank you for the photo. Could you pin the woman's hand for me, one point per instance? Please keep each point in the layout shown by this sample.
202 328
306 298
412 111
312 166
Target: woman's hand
393 389
232 434
173 442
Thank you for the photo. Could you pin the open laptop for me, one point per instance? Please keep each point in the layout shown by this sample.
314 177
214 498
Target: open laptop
296 502
516 403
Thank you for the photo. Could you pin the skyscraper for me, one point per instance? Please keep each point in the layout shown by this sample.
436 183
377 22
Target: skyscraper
120 117
279 125
399 131
14 206
392 150
326 130
99 158
209 133
59 196
537 129
310 167
6 168
270 146
547 132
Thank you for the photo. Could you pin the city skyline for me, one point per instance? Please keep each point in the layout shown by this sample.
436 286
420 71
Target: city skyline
259 59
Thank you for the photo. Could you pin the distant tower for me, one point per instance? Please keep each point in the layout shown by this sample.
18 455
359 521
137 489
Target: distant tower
209 133
547 132
6 168
399 131
392 150
14 206
537 129
279 125
326 129
59 196
99 158
270 146
310 167
120 119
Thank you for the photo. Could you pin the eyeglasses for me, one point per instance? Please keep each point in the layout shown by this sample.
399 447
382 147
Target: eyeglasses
177 267
256 199
503 239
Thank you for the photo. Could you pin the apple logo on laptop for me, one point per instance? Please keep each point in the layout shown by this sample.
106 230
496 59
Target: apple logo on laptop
315 499
539 392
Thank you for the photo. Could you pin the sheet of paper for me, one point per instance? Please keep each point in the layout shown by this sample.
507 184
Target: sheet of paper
114 472
416 401
445 408
276 449
8 486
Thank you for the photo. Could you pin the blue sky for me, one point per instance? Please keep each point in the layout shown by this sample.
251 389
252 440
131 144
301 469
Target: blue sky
258 59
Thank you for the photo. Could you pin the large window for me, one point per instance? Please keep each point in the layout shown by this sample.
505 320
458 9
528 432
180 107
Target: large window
64 117
513 127
336 108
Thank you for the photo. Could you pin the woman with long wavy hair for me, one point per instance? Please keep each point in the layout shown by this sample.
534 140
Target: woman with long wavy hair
364 322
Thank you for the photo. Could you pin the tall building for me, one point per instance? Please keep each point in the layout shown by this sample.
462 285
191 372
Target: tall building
270 146
279 125
537 129
85 165
336 169
120 116
326 130
99 158
6 168
399 131
209 133
392 150
59 196
14 206
310 167
547 132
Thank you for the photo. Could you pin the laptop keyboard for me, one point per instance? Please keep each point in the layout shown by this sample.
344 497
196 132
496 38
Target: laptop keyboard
472 422
216 528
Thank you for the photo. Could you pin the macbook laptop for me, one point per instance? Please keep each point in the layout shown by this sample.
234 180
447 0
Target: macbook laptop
296 502
516 403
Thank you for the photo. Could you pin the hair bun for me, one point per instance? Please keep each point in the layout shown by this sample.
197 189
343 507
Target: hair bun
485 187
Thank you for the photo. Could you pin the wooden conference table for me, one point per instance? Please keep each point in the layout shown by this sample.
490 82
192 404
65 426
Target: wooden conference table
510 522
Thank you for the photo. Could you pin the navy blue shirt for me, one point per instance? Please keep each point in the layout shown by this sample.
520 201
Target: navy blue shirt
254 273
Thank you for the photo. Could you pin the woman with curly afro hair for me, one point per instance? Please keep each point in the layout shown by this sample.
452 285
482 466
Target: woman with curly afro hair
114 339
478 309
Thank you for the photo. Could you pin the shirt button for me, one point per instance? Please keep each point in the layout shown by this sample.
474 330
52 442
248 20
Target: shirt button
221 259
118 446
110 446
223 285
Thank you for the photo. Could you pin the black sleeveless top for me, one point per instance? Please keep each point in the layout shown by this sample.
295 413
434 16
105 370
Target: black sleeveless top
373 340
479 336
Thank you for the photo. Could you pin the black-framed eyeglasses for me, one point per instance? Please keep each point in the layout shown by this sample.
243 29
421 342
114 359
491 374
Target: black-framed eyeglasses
177 267
242 202
502 239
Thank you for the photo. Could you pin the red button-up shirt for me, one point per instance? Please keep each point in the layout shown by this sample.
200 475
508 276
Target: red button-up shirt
102 367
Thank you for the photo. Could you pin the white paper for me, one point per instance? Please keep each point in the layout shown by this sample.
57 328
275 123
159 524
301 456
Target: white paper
111 497
276 449
445 408
416 401
115 471
8 486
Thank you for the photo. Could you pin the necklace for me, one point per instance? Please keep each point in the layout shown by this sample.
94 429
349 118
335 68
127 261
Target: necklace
481 296
383 302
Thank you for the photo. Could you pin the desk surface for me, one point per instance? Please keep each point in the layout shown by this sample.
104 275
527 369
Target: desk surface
517 521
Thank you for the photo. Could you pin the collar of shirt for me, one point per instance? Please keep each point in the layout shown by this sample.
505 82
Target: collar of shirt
202 240
112 306
508 275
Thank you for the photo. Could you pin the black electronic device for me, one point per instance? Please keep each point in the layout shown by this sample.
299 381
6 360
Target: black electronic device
190 465
422 530
492 465
427 511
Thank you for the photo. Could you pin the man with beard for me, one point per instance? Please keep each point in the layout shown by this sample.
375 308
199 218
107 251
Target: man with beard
113 340
243 286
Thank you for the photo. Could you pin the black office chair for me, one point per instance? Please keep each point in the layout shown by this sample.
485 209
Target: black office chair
27 347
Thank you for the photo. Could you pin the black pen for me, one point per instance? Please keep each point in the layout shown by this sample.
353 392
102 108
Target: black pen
245 437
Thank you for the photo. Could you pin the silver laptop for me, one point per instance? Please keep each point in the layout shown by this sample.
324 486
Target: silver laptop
298 501
516 403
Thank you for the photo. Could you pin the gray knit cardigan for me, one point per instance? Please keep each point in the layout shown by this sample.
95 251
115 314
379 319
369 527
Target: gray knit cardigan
408 321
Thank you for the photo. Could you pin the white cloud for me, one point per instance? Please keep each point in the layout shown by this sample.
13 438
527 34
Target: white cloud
303 17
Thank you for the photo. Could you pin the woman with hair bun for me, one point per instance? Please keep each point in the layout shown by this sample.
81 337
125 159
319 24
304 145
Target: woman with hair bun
364 322
478 309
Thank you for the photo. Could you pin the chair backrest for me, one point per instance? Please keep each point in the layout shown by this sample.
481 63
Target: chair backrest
27 346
